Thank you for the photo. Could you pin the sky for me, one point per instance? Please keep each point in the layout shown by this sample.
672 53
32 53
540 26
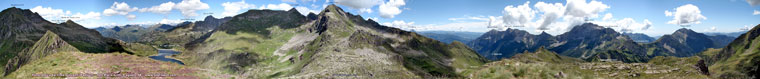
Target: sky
651 17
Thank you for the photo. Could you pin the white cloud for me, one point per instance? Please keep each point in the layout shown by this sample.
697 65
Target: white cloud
756 12
745 28
365 10
306 11
232 8
400 24
293 1
476 18
119 9
281 6
90 15
167 21
713 29
359 4
518 16
131 17
628 25
685 15
551 12
164 8
188 7
607 16
753 2
579 8
48 12
391 8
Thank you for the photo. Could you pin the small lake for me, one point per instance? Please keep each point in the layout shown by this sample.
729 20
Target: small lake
162 53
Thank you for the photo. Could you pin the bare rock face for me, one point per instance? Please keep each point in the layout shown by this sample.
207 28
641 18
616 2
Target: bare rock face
702 67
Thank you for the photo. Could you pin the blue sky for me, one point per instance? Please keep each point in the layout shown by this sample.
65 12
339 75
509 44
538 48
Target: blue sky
451 15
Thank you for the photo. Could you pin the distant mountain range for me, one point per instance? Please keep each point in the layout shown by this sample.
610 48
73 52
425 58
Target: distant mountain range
591 42
163 34
450 36
640 37
732 34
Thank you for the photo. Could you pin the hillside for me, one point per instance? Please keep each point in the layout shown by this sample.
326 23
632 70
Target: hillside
640 37
544 64
737 60
495 44
50 43
592 43
587 41
21 28
286 44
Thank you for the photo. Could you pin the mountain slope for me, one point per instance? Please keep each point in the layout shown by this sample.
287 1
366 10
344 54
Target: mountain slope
503 44
286 44
183 33
684 42
740 59
50 43
639 37
587 41
544 64
21 28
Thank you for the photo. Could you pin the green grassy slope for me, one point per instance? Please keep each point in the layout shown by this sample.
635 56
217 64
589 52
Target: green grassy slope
285 44
740 59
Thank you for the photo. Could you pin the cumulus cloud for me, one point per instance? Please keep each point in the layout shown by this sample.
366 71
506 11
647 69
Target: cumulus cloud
579 8
232 8
281 6
358 4
756 12
518 16
90 15
119 8
551 12
753 2
168 21
628 25
365 10
607 16
391 8
164 8
188 7
51 13
48 12
400 24
685 15
306 11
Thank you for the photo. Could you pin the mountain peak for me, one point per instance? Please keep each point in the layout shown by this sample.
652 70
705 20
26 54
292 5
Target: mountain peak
685 30
209 17
332 8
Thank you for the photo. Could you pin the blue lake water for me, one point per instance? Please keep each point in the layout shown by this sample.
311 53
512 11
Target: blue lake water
162 53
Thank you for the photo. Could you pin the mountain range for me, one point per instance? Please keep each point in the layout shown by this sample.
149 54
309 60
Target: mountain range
450 36
592 42
337 44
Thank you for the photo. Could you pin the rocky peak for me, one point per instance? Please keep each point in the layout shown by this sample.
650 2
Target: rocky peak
209 18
